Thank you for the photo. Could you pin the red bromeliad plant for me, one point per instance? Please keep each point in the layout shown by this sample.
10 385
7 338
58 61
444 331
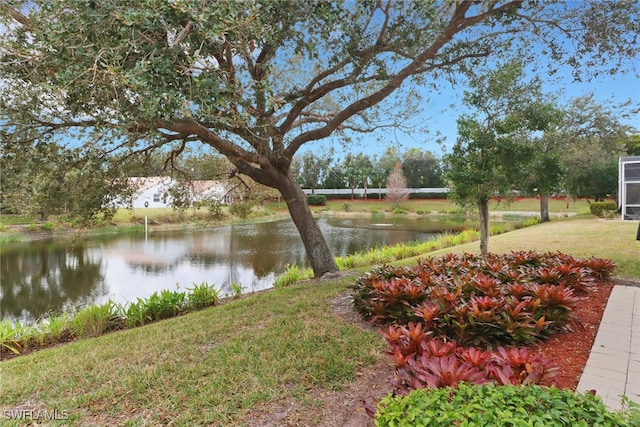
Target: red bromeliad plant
519 366
422 361
601 269
493 300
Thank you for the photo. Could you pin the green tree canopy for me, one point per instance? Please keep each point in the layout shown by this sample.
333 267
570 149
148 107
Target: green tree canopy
310 169
593 140
421 169
633 144
358 169
46 178
490 157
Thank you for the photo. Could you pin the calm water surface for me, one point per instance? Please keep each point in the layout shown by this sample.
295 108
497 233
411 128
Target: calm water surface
39 277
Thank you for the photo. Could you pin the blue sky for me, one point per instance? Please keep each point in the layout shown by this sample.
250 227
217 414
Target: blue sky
442 110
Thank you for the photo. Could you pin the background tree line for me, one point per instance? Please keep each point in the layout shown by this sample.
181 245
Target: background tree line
577 155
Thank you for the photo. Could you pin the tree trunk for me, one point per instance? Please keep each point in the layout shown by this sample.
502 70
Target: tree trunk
544 207
483 212
318 251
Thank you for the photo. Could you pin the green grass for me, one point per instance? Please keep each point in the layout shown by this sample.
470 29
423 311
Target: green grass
11 219
421 206
582 236
210 367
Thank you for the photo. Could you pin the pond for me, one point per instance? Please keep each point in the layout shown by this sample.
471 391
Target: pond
61 275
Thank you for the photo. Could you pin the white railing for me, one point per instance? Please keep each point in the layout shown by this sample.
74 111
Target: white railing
374 190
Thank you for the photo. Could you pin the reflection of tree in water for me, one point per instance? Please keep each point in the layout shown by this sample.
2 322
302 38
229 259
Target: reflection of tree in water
270 247
151 268
41 277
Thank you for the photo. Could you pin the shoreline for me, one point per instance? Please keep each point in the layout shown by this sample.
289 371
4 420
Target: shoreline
23 233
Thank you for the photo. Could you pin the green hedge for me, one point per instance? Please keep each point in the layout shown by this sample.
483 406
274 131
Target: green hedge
317 199
491 405
603 209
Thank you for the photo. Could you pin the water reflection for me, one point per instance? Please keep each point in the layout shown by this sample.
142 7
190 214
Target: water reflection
36 278
39 277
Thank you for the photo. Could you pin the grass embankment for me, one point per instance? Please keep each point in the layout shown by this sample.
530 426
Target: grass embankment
558 207
16 228
205 368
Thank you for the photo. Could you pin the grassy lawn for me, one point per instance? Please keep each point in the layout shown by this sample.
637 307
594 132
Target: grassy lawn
582 236
208 367
211 366
7 219
447 206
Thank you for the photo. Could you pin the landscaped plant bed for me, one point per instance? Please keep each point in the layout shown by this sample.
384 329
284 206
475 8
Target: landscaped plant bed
467 318
494 300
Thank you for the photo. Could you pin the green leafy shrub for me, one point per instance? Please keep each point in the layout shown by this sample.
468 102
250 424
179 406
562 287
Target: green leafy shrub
136 313
493 300
202 295
95 320
9 337
237 289
292 275
317 199
490 405
241 209
603 209
57 328
164 305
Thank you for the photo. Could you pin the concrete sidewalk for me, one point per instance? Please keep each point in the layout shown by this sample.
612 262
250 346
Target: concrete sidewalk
613 367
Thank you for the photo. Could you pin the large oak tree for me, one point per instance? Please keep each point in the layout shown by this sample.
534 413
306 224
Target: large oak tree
257 80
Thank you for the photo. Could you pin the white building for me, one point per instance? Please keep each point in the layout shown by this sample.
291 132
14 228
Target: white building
154 192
